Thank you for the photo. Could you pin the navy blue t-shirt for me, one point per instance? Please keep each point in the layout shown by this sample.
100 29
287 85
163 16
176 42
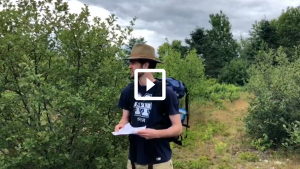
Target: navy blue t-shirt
146 114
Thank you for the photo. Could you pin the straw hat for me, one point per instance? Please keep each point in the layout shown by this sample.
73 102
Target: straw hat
143 51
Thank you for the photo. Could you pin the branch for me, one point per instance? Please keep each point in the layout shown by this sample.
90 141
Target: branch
3 152
48 117
55 110
78 59
77 116
108 112
18 91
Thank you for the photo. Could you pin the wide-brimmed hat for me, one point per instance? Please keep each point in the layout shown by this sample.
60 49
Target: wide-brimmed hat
143 51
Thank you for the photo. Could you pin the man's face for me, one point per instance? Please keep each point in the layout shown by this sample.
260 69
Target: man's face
133 65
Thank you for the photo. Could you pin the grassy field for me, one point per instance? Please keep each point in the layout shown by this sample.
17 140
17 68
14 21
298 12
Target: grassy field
216 140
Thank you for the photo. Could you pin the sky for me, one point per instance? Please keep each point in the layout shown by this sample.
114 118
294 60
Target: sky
175 19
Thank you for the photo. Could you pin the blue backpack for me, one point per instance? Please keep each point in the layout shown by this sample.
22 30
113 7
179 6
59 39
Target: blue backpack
181 90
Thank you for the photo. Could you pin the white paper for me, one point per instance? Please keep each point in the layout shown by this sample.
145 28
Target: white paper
128 129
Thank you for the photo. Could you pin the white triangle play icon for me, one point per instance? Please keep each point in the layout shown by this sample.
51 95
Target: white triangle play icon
149 84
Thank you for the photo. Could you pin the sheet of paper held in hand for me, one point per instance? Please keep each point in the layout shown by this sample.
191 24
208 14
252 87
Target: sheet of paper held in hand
128 129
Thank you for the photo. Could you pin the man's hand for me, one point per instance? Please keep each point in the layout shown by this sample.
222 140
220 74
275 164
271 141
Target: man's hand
123 121
148 133
119 126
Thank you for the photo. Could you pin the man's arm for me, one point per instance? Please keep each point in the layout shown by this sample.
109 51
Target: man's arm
172 103
125 117
174 130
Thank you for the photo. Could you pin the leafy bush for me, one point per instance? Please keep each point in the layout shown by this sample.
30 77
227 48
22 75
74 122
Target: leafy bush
189 70
248 156
275 83
59 85
218 92
293 130
235 72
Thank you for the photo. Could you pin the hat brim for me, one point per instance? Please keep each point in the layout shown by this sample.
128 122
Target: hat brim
142 58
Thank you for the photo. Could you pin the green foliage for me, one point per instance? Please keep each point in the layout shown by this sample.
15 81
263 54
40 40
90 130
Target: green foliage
248 156
198 40
175 45
189 70
224 165
235 72
275 85
288 27
282 31
201 163
216 46
250 47
203 133
218 92
179 164
59 83
262 144
220 147
264 31
267 33
210 129
293 129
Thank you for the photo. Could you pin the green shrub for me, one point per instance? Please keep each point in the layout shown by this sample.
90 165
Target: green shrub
235 72
248 156
58 93
220 147
218 92
275 83
293 131
189 70
201 163
262 144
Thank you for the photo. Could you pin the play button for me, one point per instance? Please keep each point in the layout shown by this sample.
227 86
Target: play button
149 84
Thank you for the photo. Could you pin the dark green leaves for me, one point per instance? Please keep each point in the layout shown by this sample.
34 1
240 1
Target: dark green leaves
59 84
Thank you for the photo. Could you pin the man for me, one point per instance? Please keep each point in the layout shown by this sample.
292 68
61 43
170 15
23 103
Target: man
149 147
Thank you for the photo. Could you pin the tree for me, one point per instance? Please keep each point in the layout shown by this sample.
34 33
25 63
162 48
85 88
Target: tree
216 46
175 45
133 41
263 36
235 72
268 34
189 70
272 34
288 27
222 47
288 30
59 84
276 102
198 41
